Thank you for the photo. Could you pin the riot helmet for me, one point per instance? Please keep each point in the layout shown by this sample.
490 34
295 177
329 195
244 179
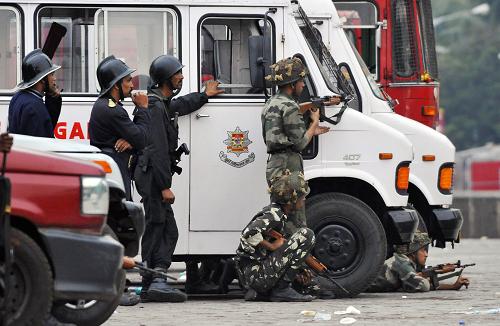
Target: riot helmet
35 66
162 69
288 187
109 72
287 71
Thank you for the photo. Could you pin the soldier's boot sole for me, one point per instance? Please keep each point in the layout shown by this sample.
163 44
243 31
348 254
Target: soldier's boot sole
161 296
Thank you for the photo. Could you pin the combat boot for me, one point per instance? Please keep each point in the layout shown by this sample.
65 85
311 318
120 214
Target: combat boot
283 292
195 284
160 291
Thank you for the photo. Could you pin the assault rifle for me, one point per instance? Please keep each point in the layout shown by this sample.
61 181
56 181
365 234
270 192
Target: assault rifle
432 272
318 267
319 103
183 149
130 263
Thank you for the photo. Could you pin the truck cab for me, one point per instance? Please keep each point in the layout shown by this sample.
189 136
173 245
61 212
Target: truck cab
430 190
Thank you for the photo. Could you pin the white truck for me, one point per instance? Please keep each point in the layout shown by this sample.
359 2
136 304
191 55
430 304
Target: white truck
358 172
431 171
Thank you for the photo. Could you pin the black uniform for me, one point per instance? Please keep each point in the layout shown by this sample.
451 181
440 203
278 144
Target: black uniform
109 122
29 115
154 174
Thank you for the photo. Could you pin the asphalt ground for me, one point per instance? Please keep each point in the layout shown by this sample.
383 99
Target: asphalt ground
432 308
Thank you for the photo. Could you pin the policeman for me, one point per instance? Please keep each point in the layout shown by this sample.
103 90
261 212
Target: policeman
401 272
267 268
156 166
284 128
110 127
28 114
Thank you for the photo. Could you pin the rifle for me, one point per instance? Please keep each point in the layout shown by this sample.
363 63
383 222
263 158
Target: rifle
183 149
432 272
318 267
130 263
320 103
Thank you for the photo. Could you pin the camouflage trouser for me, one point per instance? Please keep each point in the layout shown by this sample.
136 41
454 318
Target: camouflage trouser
275 165
263 275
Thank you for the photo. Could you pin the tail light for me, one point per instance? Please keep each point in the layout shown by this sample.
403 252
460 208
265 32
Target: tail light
445 181
429 111
402 177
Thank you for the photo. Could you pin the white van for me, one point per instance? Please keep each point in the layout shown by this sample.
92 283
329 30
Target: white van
358 172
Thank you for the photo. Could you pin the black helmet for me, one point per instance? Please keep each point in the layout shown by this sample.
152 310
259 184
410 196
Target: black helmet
110 71
36 65
162 68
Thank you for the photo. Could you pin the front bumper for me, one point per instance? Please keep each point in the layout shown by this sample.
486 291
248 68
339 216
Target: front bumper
445 224
85 266
401 225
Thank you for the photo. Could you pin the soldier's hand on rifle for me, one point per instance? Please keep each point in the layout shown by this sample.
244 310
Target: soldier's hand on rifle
304 277
122 145
140 99
168 196
334 100
212 88
6 142
461 281
314 115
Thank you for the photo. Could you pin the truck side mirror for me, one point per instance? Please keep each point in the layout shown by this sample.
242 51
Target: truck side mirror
259 63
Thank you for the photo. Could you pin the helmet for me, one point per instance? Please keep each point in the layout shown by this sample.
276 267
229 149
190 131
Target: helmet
162 68
36 66
110 71
420 240
288 187
287 71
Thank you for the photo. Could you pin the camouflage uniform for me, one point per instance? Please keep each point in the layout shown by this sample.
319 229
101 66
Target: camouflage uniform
259 268
399 273
284 130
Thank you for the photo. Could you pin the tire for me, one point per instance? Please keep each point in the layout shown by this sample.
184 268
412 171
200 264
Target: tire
31 282
90 312
350 239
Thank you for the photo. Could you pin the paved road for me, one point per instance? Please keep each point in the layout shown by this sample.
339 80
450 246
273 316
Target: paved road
432 308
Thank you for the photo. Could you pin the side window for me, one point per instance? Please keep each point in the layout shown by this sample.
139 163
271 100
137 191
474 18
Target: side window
75 53
10 51
229 51
137 36
403 38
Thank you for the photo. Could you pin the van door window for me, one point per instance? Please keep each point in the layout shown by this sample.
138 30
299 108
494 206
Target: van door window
75 53
137 36
227 47
10 51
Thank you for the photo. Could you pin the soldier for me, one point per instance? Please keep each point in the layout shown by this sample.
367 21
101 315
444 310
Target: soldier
110 127
402 271
267 268
155 168
284 128
28 113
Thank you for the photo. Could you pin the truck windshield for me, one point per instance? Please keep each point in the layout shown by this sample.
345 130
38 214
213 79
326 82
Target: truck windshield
330 71
369 76
427 36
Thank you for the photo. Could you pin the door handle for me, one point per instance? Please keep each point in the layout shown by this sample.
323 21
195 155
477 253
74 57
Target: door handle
201 115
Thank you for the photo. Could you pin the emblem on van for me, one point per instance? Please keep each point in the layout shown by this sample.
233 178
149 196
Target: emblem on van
237 143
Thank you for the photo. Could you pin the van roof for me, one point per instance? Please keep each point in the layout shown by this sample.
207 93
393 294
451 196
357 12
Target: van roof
218 3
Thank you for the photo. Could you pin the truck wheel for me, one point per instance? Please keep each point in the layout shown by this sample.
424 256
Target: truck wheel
350 239
31 283
90 312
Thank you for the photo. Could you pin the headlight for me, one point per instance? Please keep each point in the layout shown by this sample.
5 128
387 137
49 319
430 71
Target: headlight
95 196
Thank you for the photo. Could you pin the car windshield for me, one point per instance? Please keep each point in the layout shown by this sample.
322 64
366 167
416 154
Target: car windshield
330 71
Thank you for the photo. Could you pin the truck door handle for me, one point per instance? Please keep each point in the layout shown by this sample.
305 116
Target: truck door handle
201 115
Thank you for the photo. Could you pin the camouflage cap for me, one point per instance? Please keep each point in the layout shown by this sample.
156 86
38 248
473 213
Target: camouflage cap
420 240
287 71
288 187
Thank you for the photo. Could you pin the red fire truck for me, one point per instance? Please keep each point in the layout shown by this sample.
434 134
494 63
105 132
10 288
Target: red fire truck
396 40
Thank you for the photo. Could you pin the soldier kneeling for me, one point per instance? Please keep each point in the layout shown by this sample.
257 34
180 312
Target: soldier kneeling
266 268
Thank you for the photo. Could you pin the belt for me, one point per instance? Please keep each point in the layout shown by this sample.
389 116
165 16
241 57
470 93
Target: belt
286 150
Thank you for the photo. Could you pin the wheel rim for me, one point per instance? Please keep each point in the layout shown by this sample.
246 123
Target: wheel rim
20 290
338 247
80 304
